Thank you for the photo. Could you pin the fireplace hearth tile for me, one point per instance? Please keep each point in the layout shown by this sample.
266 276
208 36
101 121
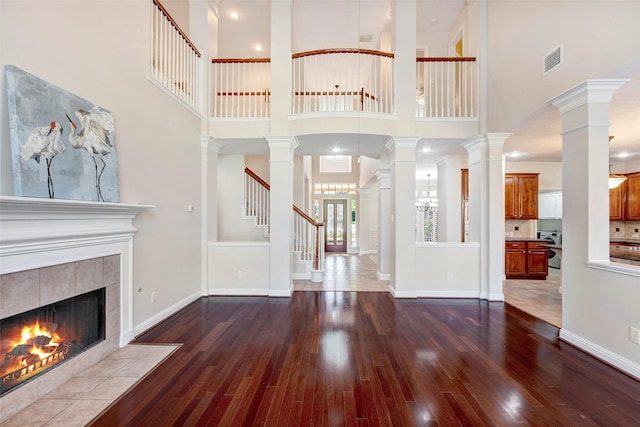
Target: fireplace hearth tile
112 323
54 377
80 413
104 368
57 282
39 413
86 359
75 388
19 292
133 359
110 388
112 270
18 399
89 275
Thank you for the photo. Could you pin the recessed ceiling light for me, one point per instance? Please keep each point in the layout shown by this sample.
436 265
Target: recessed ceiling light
335 149
426 149
514 154
234 15
257 47
434 21
623 154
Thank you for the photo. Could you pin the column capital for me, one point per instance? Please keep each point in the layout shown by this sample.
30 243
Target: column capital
597 91
210 143
398 142
281 148
384 178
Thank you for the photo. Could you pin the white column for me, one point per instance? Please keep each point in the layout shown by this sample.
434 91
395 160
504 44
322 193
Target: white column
585 163
384 224
208 203
449 198
404 47
364 221
280 100
281 151
486 210
402 236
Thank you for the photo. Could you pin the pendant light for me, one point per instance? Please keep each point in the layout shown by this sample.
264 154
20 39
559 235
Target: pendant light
614 179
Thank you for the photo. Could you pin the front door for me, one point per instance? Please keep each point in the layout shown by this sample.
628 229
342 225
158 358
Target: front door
335 228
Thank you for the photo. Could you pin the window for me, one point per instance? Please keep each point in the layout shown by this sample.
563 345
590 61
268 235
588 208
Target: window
335 164
335 189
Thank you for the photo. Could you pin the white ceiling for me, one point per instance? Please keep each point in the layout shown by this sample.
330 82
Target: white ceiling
322 24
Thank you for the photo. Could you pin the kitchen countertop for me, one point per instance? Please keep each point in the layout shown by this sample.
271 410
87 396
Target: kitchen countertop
627 249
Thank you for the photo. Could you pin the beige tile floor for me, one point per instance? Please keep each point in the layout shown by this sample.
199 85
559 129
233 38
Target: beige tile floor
346 272
540 298
82 398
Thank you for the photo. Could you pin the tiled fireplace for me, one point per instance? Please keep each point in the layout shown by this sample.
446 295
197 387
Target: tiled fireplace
52 251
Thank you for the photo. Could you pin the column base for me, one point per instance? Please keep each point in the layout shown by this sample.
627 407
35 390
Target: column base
317 276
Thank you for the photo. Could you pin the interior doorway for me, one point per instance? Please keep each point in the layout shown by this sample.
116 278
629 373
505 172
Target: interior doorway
335 229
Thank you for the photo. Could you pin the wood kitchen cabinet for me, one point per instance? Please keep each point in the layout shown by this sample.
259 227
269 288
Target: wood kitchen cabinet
624 200
521 196
632 187
526 260
617 198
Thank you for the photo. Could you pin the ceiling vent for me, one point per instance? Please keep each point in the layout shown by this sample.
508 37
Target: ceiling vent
552 60
366 38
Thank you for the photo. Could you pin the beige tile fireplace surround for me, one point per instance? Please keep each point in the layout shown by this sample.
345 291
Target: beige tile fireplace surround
51 250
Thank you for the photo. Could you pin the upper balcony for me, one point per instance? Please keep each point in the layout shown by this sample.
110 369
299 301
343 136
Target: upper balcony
341 90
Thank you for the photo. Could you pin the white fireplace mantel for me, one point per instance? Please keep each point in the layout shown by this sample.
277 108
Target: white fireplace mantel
37 233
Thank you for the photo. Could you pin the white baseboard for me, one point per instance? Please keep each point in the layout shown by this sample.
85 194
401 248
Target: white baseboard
630 367
281 293
381 276
447 294
159 317
238 292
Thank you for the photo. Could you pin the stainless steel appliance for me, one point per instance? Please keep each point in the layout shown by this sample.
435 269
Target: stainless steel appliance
554 237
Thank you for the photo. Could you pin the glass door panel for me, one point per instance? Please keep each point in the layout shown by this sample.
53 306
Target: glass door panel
335 225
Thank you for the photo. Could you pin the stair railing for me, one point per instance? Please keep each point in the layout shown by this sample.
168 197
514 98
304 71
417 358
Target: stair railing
308 238
174 58
256 197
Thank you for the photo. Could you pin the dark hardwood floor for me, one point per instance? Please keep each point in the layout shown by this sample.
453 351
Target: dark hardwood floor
365 359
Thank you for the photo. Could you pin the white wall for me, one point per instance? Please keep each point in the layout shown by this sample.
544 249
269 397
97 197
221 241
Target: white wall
106 61
448 270
238 268
231 224
260 165
550 177
589 52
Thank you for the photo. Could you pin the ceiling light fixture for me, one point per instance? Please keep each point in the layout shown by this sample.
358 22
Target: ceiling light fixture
335 149
257 47
234 15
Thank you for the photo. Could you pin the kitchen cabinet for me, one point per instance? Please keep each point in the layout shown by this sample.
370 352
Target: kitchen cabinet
521 196
550 205
632 187
624 200
526 259
617 202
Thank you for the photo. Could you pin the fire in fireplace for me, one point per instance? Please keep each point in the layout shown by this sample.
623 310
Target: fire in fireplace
35 341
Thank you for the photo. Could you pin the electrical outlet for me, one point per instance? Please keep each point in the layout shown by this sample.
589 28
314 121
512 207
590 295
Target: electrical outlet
617 229
449 276
240 274
153 296
517 228
634 335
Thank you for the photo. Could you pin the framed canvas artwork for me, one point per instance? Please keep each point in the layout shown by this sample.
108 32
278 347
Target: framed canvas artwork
62 146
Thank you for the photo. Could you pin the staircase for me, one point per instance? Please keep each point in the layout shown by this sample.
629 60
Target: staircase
308 235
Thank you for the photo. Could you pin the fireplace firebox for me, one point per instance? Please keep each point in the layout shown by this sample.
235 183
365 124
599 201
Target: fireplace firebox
39 339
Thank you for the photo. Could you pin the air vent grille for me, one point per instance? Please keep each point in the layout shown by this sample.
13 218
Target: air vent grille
552 59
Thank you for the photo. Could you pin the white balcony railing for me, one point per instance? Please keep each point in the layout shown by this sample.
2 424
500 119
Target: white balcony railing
342 80
446 87
174 58
240 88
345 80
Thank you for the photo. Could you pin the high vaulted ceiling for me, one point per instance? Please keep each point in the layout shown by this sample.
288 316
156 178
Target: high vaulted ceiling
322 24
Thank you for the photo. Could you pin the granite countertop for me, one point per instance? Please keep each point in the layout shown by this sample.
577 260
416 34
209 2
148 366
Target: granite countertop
625 250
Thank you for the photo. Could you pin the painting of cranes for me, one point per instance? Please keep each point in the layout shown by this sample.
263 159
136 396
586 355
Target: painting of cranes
62 146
